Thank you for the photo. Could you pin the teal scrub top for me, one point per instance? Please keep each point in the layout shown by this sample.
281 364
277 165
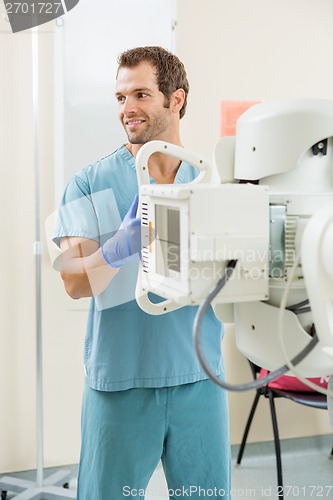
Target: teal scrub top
124 346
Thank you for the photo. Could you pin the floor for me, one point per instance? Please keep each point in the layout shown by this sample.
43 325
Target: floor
307 471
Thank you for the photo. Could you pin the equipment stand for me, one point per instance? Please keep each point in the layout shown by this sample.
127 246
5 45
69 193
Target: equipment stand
39 489
53 488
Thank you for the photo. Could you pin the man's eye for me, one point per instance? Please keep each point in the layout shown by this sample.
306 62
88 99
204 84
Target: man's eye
120 98
142 94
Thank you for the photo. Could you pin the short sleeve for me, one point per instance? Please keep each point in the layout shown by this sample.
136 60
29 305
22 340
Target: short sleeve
86 214
76 215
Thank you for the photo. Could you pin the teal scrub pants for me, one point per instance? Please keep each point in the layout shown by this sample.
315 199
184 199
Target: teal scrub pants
126 433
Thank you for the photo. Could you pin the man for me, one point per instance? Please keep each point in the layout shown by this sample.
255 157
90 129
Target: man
146 397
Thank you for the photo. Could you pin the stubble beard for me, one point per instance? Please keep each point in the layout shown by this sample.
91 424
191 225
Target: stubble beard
154 127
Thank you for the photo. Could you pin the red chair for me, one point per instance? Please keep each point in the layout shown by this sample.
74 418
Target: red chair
271 392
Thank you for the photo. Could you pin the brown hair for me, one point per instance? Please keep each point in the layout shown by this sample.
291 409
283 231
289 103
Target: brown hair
170 71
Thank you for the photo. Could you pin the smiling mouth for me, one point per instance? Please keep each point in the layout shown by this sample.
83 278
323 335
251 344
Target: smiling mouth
133 123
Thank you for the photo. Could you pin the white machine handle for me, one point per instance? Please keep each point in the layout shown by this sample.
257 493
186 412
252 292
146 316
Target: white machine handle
179 152
317 262
142 172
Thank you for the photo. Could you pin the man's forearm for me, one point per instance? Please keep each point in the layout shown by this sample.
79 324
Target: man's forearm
86 276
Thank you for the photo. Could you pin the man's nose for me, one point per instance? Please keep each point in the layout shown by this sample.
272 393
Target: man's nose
129 106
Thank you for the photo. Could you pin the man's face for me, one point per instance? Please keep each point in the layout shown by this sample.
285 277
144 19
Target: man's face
142 110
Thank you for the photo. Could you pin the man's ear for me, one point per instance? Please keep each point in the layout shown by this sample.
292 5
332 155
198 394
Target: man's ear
177 100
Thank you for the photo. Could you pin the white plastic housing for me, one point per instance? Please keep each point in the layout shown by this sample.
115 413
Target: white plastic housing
193 230
272 137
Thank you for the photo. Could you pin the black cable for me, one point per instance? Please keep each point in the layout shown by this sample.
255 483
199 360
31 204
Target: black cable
298 306
255 384
301 310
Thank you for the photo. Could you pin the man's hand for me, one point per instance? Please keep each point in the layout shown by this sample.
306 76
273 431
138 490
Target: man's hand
125 245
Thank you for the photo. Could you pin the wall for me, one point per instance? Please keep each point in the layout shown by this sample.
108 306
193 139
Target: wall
253 50
16 262
63 330
248 49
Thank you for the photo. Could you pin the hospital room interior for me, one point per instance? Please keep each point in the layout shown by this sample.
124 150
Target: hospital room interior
59 114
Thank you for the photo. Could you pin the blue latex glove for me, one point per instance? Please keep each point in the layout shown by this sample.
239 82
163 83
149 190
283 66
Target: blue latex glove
125 245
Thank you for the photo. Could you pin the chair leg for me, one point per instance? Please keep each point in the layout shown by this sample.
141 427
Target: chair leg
277 445
247 428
